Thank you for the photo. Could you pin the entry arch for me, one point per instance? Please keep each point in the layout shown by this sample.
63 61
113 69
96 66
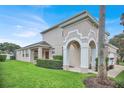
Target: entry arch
71 46
92 53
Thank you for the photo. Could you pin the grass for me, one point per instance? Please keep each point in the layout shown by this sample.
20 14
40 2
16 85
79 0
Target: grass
120 80
120 77
121 63
16 74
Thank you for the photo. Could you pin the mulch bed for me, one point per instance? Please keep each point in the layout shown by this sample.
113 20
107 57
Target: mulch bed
93 83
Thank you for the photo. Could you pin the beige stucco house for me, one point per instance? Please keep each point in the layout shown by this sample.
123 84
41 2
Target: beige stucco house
75 38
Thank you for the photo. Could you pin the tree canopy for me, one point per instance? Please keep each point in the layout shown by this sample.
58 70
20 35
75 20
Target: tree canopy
8 47
118 41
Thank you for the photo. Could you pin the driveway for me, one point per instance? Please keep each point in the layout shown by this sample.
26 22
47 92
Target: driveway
114 72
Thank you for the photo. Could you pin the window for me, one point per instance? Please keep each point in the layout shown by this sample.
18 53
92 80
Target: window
23 53
27 54
53 51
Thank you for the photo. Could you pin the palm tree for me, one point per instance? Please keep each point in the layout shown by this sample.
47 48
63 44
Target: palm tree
122 19
102 73
121 23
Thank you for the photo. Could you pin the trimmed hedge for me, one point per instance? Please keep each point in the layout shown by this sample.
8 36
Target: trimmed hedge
3 58
58 57
96 68
52 64
12 58
107 60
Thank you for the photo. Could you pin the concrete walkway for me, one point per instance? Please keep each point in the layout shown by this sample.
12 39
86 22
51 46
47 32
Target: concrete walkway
114 72
111 73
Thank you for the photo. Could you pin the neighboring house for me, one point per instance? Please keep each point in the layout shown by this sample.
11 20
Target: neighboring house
7 55
112 54
76 39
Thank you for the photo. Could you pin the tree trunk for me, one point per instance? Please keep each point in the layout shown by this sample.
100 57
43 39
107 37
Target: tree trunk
102 73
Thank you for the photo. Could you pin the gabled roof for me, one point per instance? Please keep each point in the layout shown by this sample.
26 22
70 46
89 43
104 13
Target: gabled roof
41 43
113 46
87 15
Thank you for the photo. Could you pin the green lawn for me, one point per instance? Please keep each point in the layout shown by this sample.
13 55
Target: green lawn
121 63
21 74
120 77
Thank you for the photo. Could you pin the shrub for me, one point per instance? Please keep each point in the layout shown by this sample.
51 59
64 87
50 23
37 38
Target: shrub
117 61
12 57
119 84
58 57
111 66
52 64
106 60
96 64
90 66
3 58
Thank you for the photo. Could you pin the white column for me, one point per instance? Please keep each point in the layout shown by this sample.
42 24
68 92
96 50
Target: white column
97 50
29 54
21 56
65 59
65 56
50 54
40 53
93 57
84 57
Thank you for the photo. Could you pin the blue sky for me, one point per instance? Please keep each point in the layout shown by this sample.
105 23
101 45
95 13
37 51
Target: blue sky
22 24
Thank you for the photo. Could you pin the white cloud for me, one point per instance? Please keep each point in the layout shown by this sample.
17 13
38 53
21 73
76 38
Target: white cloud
19 26
112 21
2 40
26 34
29 26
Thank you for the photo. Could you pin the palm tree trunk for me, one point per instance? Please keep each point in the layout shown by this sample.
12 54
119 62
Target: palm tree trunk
102 73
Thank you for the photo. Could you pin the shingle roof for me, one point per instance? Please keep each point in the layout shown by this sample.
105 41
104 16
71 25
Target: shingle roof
41 43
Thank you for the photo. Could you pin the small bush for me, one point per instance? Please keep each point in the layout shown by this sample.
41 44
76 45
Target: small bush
90 66
12 57
107 60
3 58
96 64
117 61
119 84
58 57
52 64
111 66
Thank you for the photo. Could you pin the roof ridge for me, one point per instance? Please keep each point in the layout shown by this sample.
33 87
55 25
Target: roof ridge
74 16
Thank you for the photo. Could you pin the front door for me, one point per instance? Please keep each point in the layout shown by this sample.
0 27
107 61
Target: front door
46 54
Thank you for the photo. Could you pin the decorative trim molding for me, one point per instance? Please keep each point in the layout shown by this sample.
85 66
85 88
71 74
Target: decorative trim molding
78 33
76 39
91 31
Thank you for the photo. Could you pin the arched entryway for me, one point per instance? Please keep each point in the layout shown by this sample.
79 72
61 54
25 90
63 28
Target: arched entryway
74 54
92 54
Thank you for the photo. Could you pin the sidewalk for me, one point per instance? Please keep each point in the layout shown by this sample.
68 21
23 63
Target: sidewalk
114 72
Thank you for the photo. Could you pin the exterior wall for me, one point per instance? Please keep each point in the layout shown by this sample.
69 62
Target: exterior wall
28 54
84 31
56 36
88 33
76 36
19 55
83 27
112 54
55 39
